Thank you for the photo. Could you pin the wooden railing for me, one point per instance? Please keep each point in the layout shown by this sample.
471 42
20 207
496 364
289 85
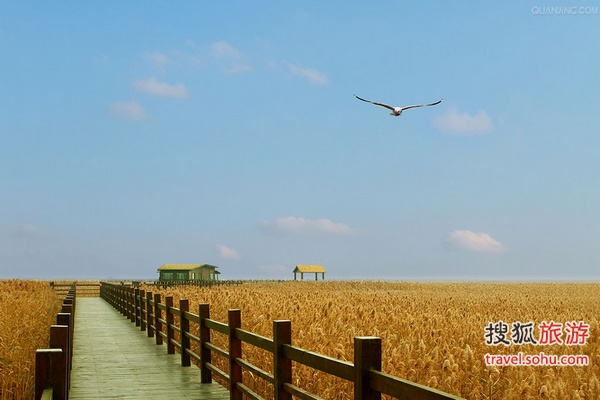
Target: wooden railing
191 282
84 289
53 365
157 319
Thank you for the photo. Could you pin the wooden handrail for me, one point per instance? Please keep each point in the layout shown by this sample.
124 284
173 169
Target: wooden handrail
84 289
365 373
53 365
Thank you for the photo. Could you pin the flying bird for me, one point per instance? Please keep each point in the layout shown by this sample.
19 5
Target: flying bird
396 111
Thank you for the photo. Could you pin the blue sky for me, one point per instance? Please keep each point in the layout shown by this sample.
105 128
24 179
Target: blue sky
134 134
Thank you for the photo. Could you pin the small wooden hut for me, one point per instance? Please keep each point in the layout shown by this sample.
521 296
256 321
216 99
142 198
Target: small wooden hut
310 269
188 272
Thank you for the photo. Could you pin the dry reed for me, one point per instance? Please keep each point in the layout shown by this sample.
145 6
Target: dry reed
432 333
27 309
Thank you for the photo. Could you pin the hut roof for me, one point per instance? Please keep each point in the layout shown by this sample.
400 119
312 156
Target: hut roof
184 267
309 268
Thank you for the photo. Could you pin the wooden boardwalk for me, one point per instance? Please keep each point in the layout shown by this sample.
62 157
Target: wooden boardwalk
112 359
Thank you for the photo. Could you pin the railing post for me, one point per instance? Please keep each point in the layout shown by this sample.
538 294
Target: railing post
128 301
367 356
133 308
184 329
235 351
59 339
157 318
120 292
108 294
282 367
67 319
50 371
136 311
141 312
205 373
170 330
69 309
70 299
123 297
149 316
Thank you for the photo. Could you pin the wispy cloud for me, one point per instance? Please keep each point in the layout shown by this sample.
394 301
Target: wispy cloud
228 253
224 51
230 58
310 74
306 226
153 87
474 242
128 110
160 60
457 123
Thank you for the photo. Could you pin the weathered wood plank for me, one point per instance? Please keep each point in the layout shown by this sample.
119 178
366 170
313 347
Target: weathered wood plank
299 393
403 389
114 360
267 376
341 369
217 326
248 393
254 339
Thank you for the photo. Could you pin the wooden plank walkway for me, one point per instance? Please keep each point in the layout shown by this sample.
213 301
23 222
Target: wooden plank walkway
112 359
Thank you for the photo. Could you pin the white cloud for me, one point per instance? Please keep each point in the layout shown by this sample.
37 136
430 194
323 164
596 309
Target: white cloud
156 88
312 75
157 58
228 253
307 226
229 57
464 123
130 110
474 242
224 51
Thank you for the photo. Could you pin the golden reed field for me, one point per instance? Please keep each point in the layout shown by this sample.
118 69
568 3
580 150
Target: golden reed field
27 309
432 333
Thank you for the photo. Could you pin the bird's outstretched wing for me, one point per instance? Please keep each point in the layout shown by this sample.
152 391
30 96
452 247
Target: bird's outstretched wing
377 104
422 105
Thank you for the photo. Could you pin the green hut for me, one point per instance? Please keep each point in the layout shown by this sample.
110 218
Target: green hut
188 272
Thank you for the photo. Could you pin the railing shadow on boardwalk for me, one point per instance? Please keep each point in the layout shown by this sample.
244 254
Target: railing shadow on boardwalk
146 311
